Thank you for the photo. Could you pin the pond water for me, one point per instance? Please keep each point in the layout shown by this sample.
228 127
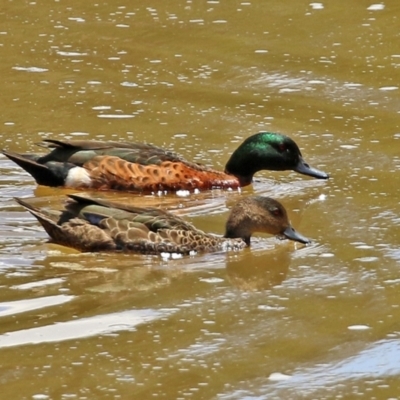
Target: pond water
277 321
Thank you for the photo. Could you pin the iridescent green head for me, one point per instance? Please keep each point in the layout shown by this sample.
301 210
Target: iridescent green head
270 151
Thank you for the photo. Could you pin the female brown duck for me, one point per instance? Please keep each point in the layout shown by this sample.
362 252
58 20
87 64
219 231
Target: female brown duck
89 224
144 167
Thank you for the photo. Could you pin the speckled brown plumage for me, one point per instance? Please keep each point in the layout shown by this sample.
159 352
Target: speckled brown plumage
89 224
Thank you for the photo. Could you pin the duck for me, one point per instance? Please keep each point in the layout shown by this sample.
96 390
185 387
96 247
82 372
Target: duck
142 167
89 224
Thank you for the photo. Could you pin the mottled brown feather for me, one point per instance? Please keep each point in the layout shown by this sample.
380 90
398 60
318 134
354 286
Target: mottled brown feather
99 225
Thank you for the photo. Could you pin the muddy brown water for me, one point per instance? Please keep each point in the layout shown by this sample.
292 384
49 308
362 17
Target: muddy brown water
278 321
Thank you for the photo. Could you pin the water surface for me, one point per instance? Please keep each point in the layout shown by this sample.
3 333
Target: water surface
276 321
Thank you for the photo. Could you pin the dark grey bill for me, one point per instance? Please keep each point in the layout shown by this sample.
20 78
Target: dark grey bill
303 168
291 234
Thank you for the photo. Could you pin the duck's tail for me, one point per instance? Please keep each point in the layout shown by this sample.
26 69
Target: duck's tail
49 174
48 219
51 221
66 229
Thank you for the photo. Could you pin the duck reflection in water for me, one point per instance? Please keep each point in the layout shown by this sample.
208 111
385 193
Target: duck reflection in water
254 271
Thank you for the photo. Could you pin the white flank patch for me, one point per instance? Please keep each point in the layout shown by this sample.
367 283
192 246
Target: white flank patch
78 177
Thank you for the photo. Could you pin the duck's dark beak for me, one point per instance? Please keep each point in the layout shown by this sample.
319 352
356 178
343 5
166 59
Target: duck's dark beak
291 234
303 168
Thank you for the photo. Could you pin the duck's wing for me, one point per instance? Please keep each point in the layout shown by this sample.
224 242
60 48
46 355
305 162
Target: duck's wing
79 152
153 218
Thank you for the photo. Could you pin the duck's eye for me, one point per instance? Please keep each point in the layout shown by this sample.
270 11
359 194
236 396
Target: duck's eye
282 147
276 212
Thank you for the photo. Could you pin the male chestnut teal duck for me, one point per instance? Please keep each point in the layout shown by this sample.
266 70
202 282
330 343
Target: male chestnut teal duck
89 224
147 168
